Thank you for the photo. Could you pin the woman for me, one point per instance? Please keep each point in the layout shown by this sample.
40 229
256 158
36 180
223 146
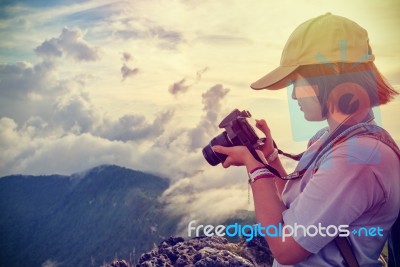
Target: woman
349 177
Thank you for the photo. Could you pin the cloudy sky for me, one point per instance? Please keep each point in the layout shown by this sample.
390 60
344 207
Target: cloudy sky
144 83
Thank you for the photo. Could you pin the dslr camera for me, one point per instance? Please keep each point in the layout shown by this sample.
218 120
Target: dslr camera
240 130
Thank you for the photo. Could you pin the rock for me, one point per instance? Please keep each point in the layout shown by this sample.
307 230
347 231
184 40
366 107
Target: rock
118 263
207 251
172 241
257 251
219 258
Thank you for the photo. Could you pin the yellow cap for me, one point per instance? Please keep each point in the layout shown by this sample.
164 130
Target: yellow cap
321 40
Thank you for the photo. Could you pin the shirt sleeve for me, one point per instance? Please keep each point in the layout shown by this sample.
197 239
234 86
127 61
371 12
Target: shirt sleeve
343 188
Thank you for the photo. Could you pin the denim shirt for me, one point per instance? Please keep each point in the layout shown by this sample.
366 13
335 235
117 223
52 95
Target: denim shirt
356 183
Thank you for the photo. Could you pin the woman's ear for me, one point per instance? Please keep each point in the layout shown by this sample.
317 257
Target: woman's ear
330 108
347 104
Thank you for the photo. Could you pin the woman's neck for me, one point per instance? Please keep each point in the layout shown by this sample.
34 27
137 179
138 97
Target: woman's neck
336 119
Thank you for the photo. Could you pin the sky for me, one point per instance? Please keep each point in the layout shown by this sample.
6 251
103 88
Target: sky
144 84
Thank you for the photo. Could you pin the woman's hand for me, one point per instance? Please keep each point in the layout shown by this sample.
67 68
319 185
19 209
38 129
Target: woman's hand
239 156
268 146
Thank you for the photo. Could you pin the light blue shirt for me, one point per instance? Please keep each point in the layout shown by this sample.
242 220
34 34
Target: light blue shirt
356 184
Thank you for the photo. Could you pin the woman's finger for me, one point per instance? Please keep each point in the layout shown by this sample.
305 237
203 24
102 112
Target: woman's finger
236 155
221 149
263 126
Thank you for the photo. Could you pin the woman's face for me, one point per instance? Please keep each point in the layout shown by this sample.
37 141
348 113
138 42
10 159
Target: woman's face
306 96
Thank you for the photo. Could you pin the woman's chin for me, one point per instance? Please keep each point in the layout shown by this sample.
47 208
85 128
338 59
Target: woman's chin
312 117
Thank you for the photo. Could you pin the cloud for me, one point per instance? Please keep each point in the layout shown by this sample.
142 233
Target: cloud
22 78
223 40
28 149
200 73
134 127
211 100
181 86
127 72
27 89
26 154
94 14
74 112
79 142
71 44
145 29
41 114
178 87
34 98
208 125
168 39
207 197
40 3
126 57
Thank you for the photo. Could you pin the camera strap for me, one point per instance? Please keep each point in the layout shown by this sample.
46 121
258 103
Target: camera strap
288 155
254 153
291 176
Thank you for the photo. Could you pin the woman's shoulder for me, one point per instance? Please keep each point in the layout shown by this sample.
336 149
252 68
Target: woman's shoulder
364 149
361 142
317 136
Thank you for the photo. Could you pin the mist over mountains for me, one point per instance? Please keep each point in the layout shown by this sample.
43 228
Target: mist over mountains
83 219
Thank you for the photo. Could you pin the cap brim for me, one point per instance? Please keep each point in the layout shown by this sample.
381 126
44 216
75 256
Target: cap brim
276 79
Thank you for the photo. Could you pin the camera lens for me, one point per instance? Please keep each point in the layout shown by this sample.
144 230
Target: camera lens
214 158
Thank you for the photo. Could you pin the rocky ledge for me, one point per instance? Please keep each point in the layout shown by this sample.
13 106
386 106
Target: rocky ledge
205 251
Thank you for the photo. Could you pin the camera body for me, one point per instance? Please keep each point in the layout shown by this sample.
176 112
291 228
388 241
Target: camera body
240 130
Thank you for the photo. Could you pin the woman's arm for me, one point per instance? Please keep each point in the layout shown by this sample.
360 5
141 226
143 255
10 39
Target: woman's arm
267 150
279 183
268 205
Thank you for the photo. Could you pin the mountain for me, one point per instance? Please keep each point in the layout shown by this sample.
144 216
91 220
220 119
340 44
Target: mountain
83 219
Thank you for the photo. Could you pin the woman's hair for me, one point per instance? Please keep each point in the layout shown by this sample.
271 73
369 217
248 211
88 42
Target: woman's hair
353 76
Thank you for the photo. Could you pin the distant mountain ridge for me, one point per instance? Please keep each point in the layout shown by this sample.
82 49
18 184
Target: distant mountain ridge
81 220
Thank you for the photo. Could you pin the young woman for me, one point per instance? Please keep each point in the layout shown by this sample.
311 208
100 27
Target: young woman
348 180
